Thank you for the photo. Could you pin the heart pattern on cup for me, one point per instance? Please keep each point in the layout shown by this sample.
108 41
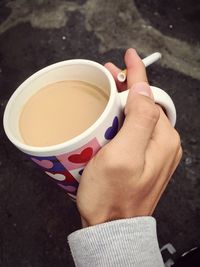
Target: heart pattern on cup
56 176
112 130
83 157
81 171
69 188
44 163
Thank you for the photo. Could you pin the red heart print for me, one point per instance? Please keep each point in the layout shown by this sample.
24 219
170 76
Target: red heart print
83 157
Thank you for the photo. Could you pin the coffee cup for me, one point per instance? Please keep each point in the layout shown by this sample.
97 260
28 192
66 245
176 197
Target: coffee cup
64 162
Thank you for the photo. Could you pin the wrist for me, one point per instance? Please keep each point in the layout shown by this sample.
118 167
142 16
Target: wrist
104 219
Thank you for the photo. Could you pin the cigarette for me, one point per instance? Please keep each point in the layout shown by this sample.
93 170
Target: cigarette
121 77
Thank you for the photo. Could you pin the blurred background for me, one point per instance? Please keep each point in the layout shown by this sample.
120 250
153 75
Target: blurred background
35 215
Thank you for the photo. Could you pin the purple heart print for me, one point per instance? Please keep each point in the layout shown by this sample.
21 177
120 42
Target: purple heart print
112 130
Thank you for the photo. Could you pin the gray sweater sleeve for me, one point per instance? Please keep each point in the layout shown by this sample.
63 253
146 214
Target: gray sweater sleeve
126 242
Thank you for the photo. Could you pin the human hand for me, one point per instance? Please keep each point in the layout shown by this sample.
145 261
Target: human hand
127 177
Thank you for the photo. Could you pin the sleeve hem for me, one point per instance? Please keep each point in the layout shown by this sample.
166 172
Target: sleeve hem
118 243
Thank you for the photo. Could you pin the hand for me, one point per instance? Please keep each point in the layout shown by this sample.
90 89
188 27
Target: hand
127 176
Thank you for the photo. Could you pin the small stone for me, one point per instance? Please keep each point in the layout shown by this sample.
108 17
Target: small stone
188 161
3 103
170 26
64 37
193 141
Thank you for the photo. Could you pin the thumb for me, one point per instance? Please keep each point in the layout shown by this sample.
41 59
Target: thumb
141 88
141 116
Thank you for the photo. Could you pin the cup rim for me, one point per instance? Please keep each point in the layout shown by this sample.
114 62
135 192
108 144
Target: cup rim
71 142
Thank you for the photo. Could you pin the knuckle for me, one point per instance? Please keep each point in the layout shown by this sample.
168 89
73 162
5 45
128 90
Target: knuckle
149 110
138 165
154 112
143 108
176 140
123 166
106 156
173 144
180 154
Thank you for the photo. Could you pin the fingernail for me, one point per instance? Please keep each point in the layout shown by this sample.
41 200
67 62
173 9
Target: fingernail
142 88
131 51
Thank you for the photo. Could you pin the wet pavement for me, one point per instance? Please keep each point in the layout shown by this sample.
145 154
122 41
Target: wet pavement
35 215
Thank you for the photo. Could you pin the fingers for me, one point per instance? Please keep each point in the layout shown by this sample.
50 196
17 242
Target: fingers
136 71
141 116
161 184
164 134
165 153
164 145
114 70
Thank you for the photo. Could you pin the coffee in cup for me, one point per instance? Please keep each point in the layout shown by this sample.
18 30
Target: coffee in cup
60 111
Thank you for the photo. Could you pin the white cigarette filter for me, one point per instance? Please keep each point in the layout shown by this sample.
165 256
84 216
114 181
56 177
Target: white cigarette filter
121 77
